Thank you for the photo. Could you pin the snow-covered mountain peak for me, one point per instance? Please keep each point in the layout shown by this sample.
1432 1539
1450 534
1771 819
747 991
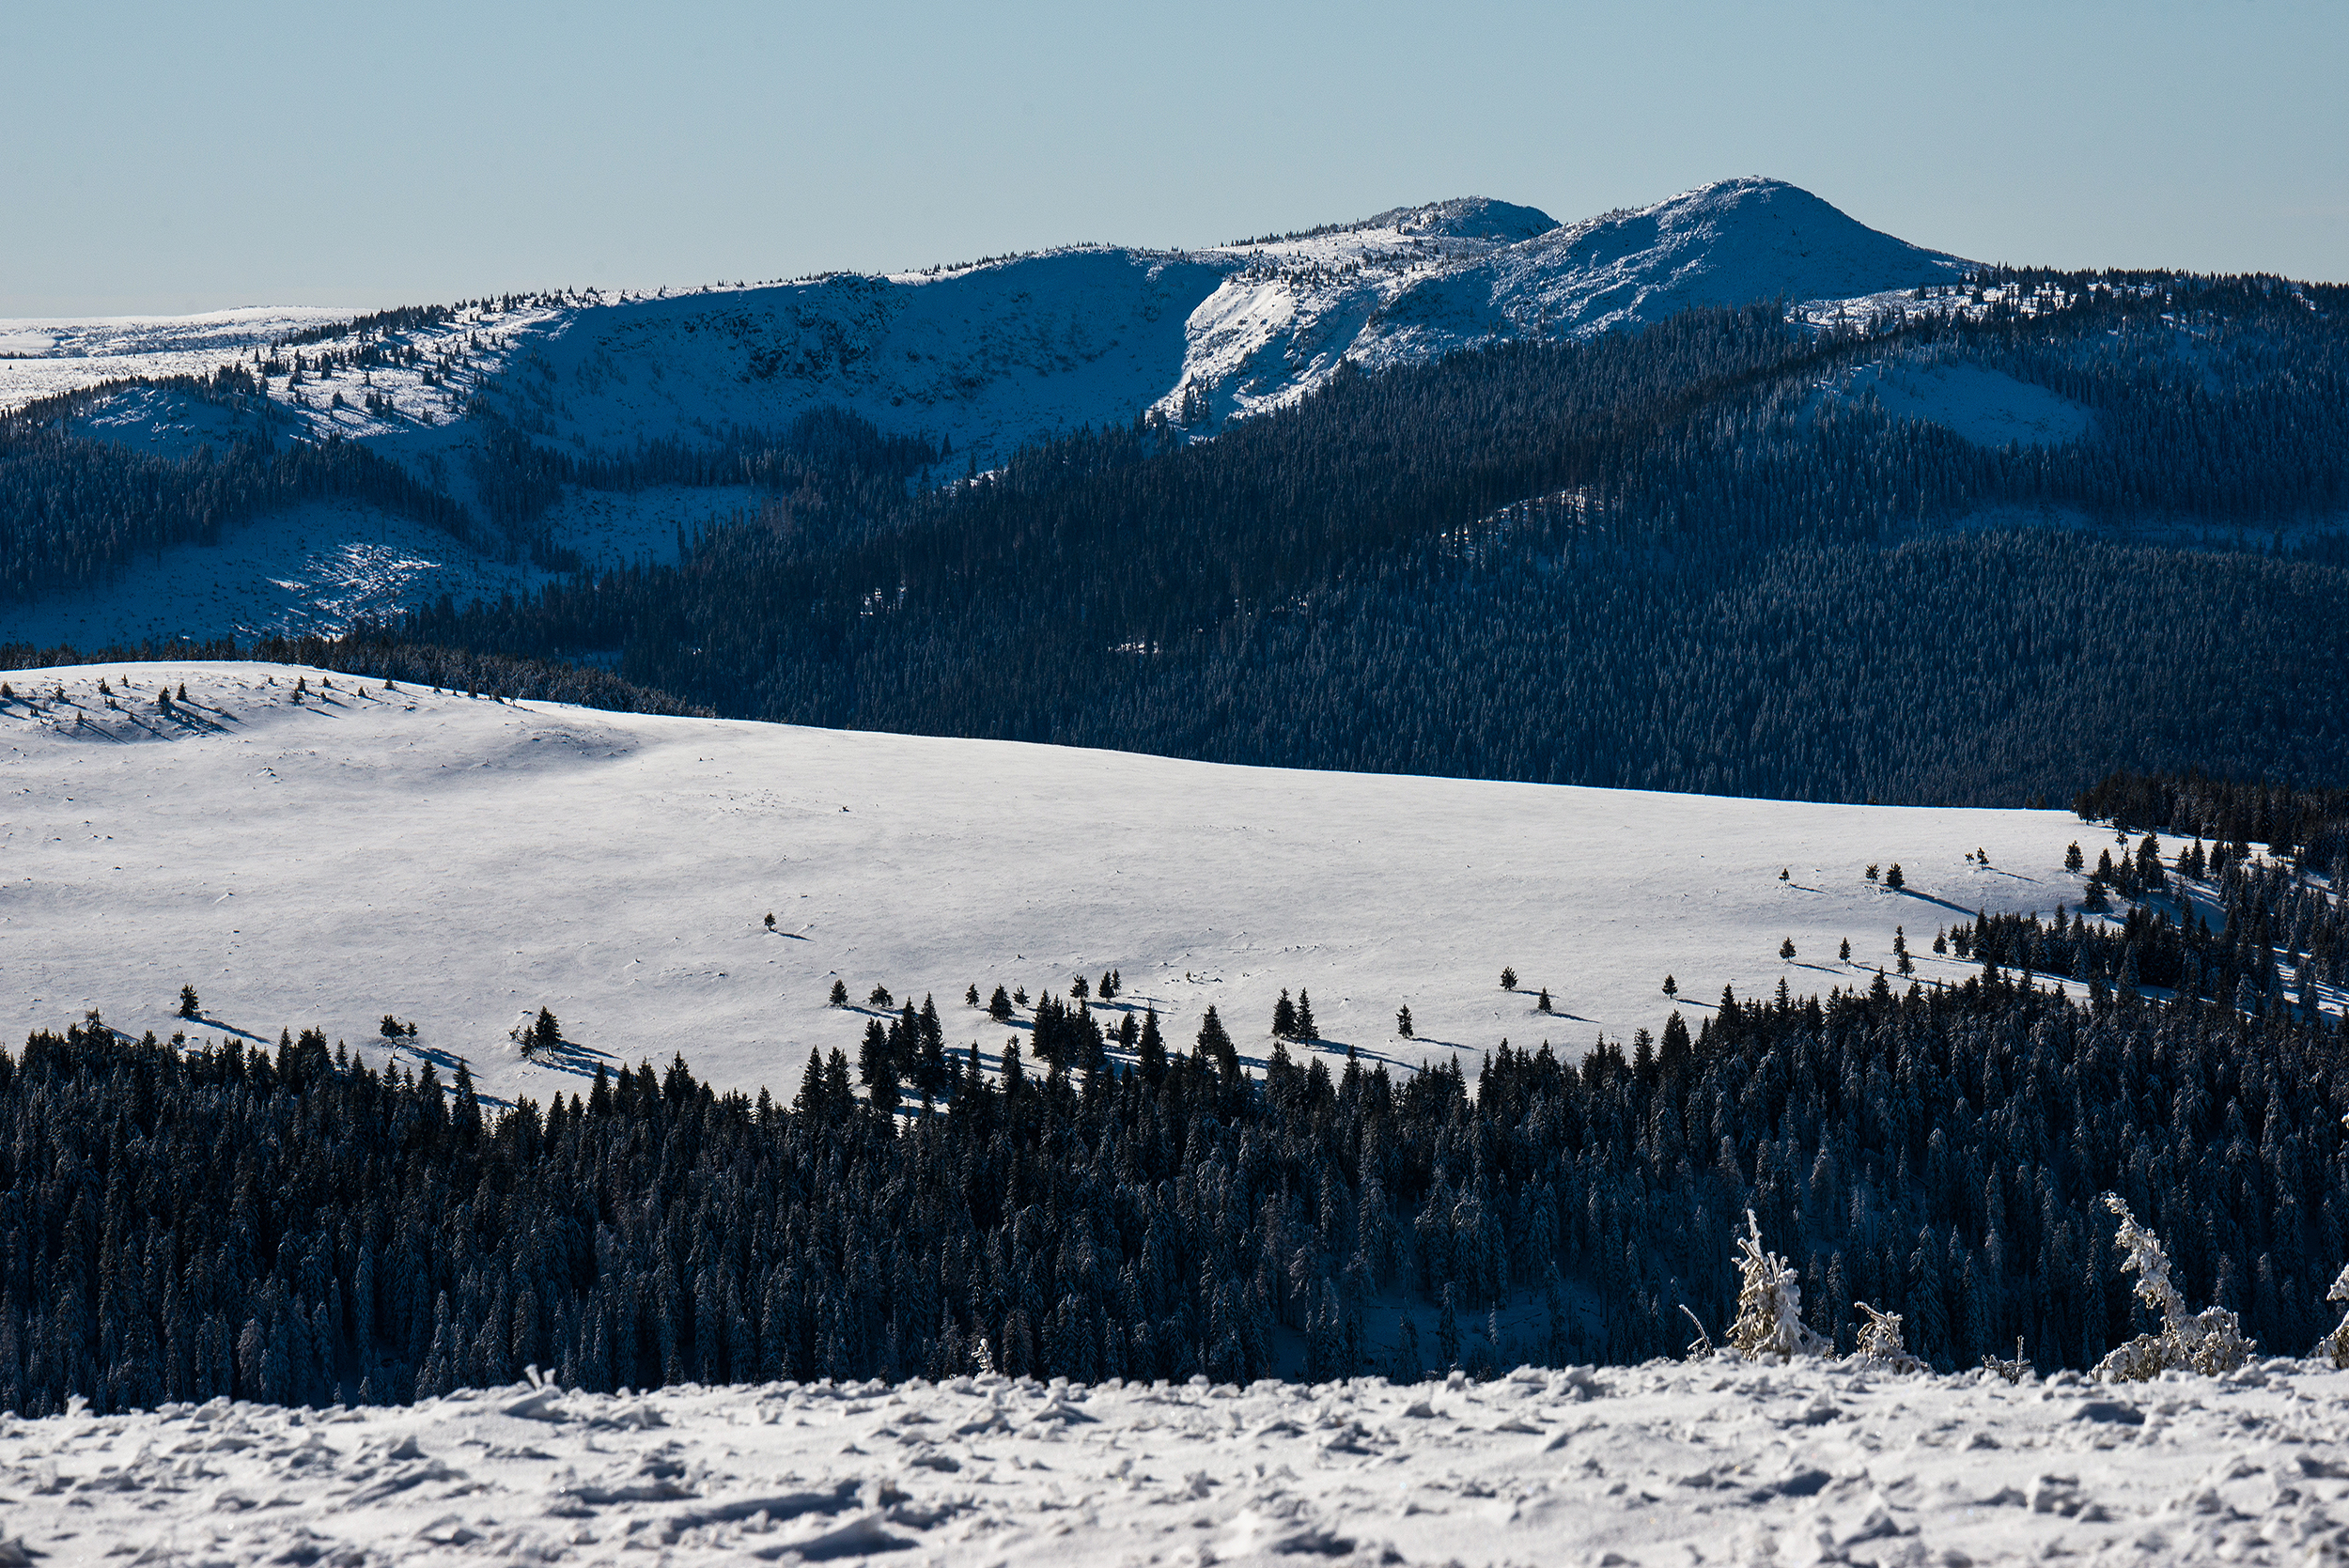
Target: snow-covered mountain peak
988 356
1467 218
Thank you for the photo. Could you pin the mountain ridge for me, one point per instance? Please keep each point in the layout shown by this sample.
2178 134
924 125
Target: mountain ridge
994 353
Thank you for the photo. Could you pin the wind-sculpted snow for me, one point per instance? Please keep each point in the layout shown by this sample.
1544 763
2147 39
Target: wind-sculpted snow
1671 1462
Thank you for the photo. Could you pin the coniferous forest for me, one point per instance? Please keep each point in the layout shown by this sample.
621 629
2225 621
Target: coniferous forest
1659 560
1651 561
1655 560
179 1223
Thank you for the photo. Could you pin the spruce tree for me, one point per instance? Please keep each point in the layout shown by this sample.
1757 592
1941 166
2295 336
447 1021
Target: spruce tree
1306 1029
1151 1049
1215 1044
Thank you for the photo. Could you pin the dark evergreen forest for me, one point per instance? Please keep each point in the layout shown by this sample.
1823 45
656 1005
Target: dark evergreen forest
1649 561
298 1227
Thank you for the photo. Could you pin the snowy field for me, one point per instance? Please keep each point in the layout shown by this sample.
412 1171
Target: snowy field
1668 1464
459 863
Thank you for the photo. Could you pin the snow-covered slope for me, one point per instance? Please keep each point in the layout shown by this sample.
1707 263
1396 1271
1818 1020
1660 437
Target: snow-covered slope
460 862
984 356
1669 1464
994 353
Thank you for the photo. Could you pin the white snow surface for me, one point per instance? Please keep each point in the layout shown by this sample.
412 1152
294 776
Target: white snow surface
1988 408
462 862
1671 1462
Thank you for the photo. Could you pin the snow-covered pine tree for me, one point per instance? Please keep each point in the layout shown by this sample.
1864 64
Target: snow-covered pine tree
2208 1342
1769 1304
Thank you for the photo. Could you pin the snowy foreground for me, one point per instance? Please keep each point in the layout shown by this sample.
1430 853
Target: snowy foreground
1667 1464
459 863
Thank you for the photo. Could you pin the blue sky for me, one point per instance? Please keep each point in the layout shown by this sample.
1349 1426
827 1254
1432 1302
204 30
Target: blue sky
175 158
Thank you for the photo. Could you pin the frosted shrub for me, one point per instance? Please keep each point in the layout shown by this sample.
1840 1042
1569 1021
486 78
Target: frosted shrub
1881 1348
2206 1342
1769 1304
2337 1342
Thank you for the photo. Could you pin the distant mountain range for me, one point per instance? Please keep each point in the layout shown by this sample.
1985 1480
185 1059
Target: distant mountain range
995 354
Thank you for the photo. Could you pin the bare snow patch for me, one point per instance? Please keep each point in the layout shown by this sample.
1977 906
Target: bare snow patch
1988 408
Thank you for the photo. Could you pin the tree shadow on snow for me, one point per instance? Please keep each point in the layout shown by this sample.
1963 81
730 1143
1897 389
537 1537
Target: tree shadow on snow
569 1056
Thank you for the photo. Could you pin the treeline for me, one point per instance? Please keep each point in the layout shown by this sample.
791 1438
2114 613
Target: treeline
1728 587
827 471
178 1223
2308 824
2280 937
362 654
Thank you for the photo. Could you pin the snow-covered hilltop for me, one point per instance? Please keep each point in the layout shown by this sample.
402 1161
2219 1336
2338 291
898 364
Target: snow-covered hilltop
460 862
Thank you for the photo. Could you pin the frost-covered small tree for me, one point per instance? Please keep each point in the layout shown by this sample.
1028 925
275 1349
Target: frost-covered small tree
2207 1341
2336 1343
1769 1303
1881 1348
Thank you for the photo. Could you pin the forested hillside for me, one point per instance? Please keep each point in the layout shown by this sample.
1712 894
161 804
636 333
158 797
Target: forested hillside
1658 561
1701 556
296 1227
